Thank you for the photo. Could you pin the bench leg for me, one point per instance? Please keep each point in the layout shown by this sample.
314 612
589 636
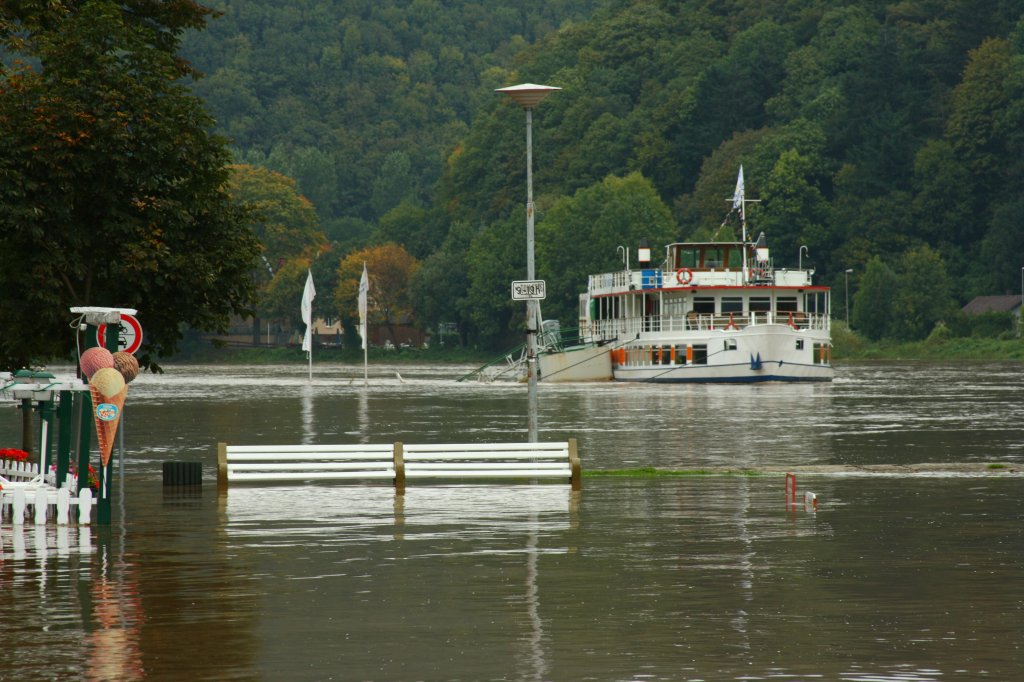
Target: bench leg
63 506
84 506
18 508
41 506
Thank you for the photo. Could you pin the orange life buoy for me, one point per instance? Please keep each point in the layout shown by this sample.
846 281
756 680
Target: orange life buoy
684 276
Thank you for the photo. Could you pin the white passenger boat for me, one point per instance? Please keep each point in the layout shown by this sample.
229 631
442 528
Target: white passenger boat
711 312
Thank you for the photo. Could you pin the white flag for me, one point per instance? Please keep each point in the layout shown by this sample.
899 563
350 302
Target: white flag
364 287
308 294
737 196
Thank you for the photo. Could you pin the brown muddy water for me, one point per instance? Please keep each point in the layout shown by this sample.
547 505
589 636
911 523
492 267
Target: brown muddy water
896 577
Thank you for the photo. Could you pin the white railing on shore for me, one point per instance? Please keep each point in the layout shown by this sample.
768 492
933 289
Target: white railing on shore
630 326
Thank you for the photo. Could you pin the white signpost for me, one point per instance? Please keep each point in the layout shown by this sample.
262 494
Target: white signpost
529 290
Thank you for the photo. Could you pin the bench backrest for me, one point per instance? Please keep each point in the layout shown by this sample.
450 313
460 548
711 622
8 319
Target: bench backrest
399 461
305 462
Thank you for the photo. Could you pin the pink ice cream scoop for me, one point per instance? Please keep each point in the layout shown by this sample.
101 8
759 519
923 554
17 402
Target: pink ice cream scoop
94 360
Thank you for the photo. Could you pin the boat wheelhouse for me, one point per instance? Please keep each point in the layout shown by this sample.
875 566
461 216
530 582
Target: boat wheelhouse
713 311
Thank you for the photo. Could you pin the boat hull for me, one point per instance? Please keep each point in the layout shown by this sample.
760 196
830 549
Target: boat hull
586 363
768 352
731 374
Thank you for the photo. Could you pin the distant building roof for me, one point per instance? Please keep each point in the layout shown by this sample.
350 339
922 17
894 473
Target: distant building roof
987 304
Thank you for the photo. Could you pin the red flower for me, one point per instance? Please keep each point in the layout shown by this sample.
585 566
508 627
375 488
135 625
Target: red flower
13 454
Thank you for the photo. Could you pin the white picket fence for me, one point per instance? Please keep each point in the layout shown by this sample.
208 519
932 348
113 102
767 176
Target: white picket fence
24 492
400 461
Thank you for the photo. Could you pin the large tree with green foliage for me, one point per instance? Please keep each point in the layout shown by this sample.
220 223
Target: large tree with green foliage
113 188
873 302
580 236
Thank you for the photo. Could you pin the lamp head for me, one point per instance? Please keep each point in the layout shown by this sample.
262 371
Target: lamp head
528 95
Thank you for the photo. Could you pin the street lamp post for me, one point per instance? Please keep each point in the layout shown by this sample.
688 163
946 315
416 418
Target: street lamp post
528 96
847 275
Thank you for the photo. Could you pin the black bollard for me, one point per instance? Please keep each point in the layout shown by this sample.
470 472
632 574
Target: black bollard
183 474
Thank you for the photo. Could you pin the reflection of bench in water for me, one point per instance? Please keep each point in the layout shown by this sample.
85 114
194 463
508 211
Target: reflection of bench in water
478 461
274 513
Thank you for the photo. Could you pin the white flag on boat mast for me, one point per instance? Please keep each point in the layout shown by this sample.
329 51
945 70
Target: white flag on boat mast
737 196
364 287
308 294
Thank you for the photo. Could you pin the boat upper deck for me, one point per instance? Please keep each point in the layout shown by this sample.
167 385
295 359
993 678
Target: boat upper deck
703 265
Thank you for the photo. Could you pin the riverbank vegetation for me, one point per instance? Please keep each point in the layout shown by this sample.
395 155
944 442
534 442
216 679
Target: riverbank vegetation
940 345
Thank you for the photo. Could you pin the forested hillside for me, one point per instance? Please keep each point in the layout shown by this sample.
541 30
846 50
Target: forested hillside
887 137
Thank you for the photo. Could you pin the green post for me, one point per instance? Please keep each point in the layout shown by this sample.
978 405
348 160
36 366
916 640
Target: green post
65 412
106 476
26 426
85 428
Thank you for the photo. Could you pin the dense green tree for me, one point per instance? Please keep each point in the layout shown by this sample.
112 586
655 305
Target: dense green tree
873 305
497 257
999 269
393 184
114 190
924 296
979 111
439 288
793 211
284 221
282 296
415 228
580 236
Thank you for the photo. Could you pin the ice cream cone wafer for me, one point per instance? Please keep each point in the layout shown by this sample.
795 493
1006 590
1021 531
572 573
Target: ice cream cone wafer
107 415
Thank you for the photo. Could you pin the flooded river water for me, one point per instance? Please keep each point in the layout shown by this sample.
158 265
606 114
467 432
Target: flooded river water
633 578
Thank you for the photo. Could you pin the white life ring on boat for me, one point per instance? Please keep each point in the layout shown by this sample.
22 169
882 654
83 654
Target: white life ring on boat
684 276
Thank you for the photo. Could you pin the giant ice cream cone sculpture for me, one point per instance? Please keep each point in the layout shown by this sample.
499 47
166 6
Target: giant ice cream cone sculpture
108 391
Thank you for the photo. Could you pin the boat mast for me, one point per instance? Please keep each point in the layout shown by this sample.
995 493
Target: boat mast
739 200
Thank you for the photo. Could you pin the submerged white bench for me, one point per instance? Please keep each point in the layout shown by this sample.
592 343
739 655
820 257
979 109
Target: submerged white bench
400 461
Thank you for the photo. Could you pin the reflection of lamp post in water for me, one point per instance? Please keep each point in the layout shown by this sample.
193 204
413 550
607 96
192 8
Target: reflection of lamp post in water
528 96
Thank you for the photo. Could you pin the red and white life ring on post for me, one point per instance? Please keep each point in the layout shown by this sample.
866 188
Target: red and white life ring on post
684 276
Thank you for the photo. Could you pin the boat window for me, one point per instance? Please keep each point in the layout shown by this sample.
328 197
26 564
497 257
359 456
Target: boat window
799 344
760 304
734 258
786 304
815 302
704 305
730 344
666 355
714 257
732 304
680 355
700 354
821 354
687 258
674 307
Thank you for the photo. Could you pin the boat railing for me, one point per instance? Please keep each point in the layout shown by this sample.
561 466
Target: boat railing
628 326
